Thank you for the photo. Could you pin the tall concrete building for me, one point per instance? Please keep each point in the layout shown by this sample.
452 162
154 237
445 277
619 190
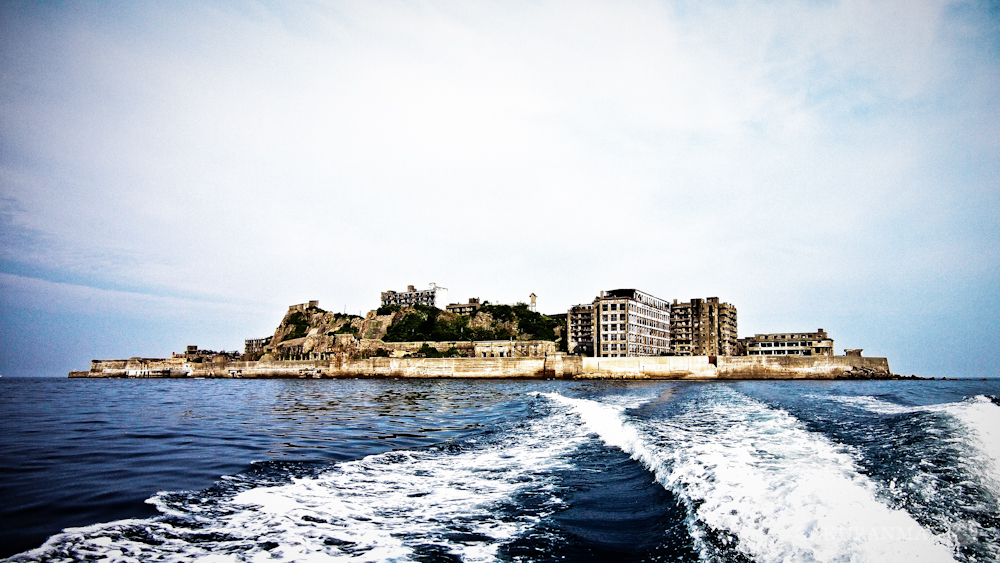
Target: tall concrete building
703 327
411 296
580 330
789 344
629 322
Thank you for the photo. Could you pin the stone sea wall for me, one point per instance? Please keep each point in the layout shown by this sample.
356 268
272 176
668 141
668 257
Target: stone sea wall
550 366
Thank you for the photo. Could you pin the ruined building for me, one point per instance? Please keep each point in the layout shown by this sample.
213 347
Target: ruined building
629 322
580 330
411 296
789 344
469 308
703 327
253 348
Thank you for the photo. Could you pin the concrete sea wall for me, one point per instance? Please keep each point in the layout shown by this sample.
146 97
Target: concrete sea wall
552 366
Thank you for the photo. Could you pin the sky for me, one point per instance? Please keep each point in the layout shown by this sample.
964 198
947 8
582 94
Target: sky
177 173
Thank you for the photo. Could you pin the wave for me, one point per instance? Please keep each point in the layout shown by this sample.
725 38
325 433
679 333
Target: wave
978 424
446 503
758 484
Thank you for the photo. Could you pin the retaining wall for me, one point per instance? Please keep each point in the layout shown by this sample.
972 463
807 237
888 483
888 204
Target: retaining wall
553 366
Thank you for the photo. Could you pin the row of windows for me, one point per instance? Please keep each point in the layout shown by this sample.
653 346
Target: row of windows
636 307
781 344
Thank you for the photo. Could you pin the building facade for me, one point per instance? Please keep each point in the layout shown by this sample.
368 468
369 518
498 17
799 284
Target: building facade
469 308
255 346
789 344
703 327
629 322
410 297
580 330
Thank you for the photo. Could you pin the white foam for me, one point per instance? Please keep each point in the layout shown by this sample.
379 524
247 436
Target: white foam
380 508
979 422
754 472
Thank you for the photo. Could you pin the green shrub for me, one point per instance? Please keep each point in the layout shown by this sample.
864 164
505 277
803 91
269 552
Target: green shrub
299 323
347 328
429 351
453 353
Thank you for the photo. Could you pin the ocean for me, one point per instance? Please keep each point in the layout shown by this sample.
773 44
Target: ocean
462 470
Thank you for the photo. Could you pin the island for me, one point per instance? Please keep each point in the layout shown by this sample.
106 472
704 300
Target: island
411 338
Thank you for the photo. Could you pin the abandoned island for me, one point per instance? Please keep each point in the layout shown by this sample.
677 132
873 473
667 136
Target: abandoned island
621 334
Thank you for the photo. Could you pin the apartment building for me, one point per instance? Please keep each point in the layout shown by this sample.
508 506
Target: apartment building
629 322
580 330
789 344
469 308
703 327
411 296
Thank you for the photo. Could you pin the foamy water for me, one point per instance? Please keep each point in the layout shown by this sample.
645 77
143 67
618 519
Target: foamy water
758 482
398 506
742 472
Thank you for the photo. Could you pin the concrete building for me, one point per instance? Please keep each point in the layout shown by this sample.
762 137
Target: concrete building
253 345
580 330
789 344
513 348
411 296
703 327
629 322
469 308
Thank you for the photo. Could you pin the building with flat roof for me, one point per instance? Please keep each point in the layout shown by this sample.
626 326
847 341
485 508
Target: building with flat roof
629 322
469 308
411 296
580 330
703 327
788 344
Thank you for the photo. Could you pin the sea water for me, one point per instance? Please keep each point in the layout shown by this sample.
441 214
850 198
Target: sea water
465 470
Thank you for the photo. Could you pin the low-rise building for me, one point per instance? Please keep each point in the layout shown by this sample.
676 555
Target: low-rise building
469 308
789 344
255 346
411 296
703 327
513 348
304 306
629 322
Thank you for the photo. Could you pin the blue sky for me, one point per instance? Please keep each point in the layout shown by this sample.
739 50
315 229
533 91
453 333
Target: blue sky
179 173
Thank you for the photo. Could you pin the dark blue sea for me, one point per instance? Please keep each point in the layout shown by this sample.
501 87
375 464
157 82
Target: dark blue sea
458 470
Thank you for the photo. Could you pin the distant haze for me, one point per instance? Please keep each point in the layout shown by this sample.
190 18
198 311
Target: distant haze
179 173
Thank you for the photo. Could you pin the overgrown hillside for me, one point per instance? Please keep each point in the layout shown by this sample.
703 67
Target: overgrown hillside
312 333
491 322
313 321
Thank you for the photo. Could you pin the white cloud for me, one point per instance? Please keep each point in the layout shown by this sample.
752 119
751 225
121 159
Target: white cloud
767 152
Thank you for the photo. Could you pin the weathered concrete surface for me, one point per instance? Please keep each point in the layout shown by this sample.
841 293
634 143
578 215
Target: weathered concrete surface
551 366
798 367
654 367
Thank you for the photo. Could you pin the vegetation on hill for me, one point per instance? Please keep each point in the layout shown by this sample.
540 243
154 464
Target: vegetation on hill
297 324
491 322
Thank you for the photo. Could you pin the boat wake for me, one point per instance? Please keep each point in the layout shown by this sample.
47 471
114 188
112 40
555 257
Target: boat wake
758 485
745 481
449 503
